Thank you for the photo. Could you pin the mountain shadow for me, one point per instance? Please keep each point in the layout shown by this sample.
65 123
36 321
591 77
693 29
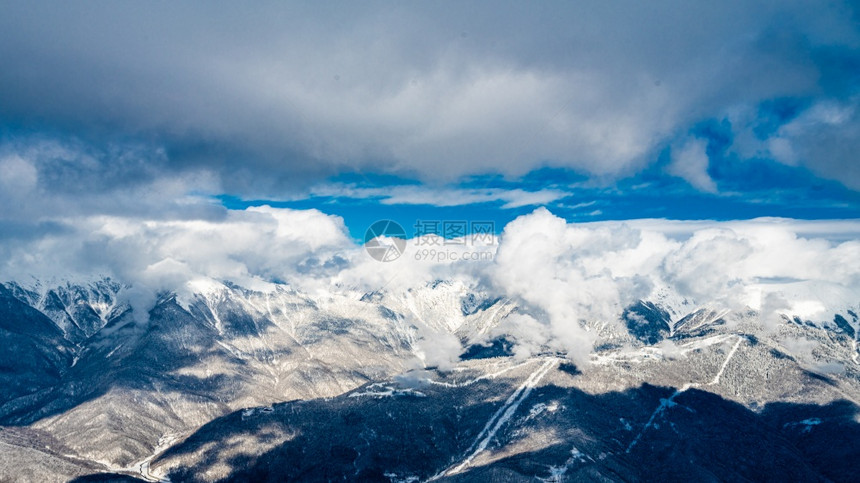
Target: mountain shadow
647 433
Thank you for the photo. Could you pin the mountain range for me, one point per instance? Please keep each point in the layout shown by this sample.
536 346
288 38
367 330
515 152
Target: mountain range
414 384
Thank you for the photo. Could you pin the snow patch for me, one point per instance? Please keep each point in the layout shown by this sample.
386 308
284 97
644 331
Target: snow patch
556 473
379 390
396 479
716 379
806 425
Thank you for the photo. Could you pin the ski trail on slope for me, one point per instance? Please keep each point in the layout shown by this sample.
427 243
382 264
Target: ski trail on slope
502 416
668 403
493 375
664 404
716 379
650 353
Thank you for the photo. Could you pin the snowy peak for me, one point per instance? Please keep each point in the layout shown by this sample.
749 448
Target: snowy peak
79 311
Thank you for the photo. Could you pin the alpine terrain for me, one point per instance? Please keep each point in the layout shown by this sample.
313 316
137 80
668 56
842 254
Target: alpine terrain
231 384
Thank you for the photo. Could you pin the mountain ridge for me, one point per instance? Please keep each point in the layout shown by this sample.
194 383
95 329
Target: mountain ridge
132 390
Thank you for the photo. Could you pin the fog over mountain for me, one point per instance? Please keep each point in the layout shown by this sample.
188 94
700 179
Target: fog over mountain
567 272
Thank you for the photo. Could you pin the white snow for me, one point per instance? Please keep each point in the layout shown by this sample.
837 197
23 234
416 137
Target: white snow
540 408
855 356
556 473
382 390
664 404
670 401
502 416
651 353
716 379
807 424
113 350
396 479
483 377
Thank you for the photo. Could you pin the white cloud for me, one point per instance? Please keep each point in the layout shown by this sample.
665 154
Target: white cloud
690 161
438 349
17 176
272 96
427 195
540 261
821 138
529 336
580 276
771 307
571 280
252 248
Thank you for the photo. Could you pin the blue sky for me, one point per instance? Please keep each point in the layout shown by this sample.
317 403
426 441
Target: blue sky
750 188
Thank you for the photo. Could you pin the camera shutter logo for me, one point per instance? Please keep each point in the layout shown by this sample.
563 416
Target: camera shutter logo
385 240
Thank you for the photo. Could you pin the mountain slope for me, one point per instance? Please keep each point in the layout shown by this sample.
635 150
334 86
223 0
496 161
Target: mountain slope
226 382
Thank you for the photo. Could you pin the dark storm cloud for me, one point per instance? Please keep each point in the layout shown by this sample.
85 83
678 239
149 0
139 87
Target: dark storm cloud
277 95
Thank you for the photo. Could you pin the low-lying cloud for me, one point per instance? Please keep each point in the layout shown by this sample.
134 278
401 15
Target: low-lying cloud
569 279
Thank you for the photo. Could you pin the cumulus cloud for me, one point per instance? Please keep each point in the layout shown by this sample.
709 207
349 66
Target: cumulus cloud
530 336
438 349
571 281
580 277
252 248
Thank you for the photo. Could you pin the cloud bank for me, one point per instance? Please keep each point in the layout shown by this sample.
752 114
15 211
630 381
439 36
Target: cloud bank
570 279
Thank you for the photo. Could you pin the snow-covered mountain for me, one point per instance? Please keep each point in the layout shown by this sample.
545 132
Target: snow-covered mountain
222 382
